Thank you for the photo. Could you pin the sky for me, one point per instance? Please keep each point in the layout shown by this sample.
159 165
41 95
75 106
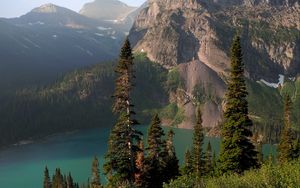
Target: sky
16 8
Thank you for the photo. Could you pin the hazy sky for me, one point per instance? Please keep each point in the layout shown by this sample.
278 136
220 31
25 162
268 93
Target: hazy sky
15 8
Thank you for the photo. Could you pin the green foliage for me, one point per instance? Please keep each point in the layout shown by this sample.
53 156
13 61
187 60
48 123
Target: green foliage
263 30
172 112
117 164
95 180
174 80
269 176
209 166
203 95
171 169
80 99
237 152
188 163
47 182
198 159
285 147
156 154
186 181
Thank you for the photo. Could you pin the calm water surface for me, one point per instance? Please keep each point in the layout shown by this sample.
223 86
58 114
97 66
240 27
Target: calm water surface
23 166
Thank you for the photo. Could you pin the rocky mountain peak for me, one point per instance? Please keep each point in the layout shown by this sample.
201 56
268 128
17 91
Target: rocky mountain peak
106 10
47 8
194 4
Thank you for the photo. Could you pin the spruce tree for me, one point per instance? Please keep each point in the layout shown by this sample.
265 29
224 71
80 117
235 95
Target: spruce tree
197 151
123 106
70 183
285 147
95 183
140 166
117 160
237 152
208 161
155 139
58 179
188 166
47 182
155 162
171 169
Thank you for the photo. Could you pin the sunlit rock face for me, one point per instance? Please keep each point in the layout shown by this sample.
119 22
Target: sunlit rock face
175 32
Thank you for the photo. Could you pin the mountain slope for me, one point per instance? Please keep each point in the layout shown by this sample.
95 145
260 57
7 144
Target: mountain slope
110 10
81 99
51 40
174 33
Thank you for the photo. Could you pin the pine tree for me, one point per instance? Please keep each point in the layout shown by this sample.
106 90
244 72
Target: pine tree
237 152
140 168
197 151
47 182
171 170
70 183
118 166
58 179
188 166
155 163
208 160
285 147
123 106
95 183
155 138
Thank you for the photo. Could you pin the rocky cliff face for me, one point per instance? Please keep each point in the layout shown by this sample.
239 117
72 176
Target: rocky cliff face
174 32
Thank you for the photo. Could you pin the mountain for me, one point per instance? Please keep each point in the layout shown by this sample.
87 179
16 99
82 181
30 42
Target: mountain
110 10
193 38
50 40
80 99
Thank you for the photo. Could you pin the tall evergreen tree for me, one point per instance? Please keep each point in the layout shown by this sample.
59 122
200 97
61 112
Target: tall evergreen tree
171 169
117 165
58 179
156 143
70 183
285 147
197 150
188 166
155 162
124 108
140 166
47 182
95 183
208 161
237 152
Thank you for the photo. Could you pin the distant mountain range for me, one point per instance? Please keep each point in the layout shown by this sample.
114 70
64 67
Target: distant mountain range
50 40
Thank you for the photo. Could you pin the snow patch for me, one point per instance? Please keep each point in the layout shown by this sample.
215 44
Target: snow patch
113 37
104 28
114 21
36 23
54 36
274 85
99 34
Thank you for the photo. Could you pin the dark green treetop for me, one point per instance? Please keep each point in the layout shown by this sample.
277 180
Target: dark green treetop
237 152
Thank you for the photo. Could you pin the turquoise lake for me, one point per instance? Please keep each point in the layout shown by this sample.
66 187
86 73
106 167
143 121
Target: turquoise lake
23 166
